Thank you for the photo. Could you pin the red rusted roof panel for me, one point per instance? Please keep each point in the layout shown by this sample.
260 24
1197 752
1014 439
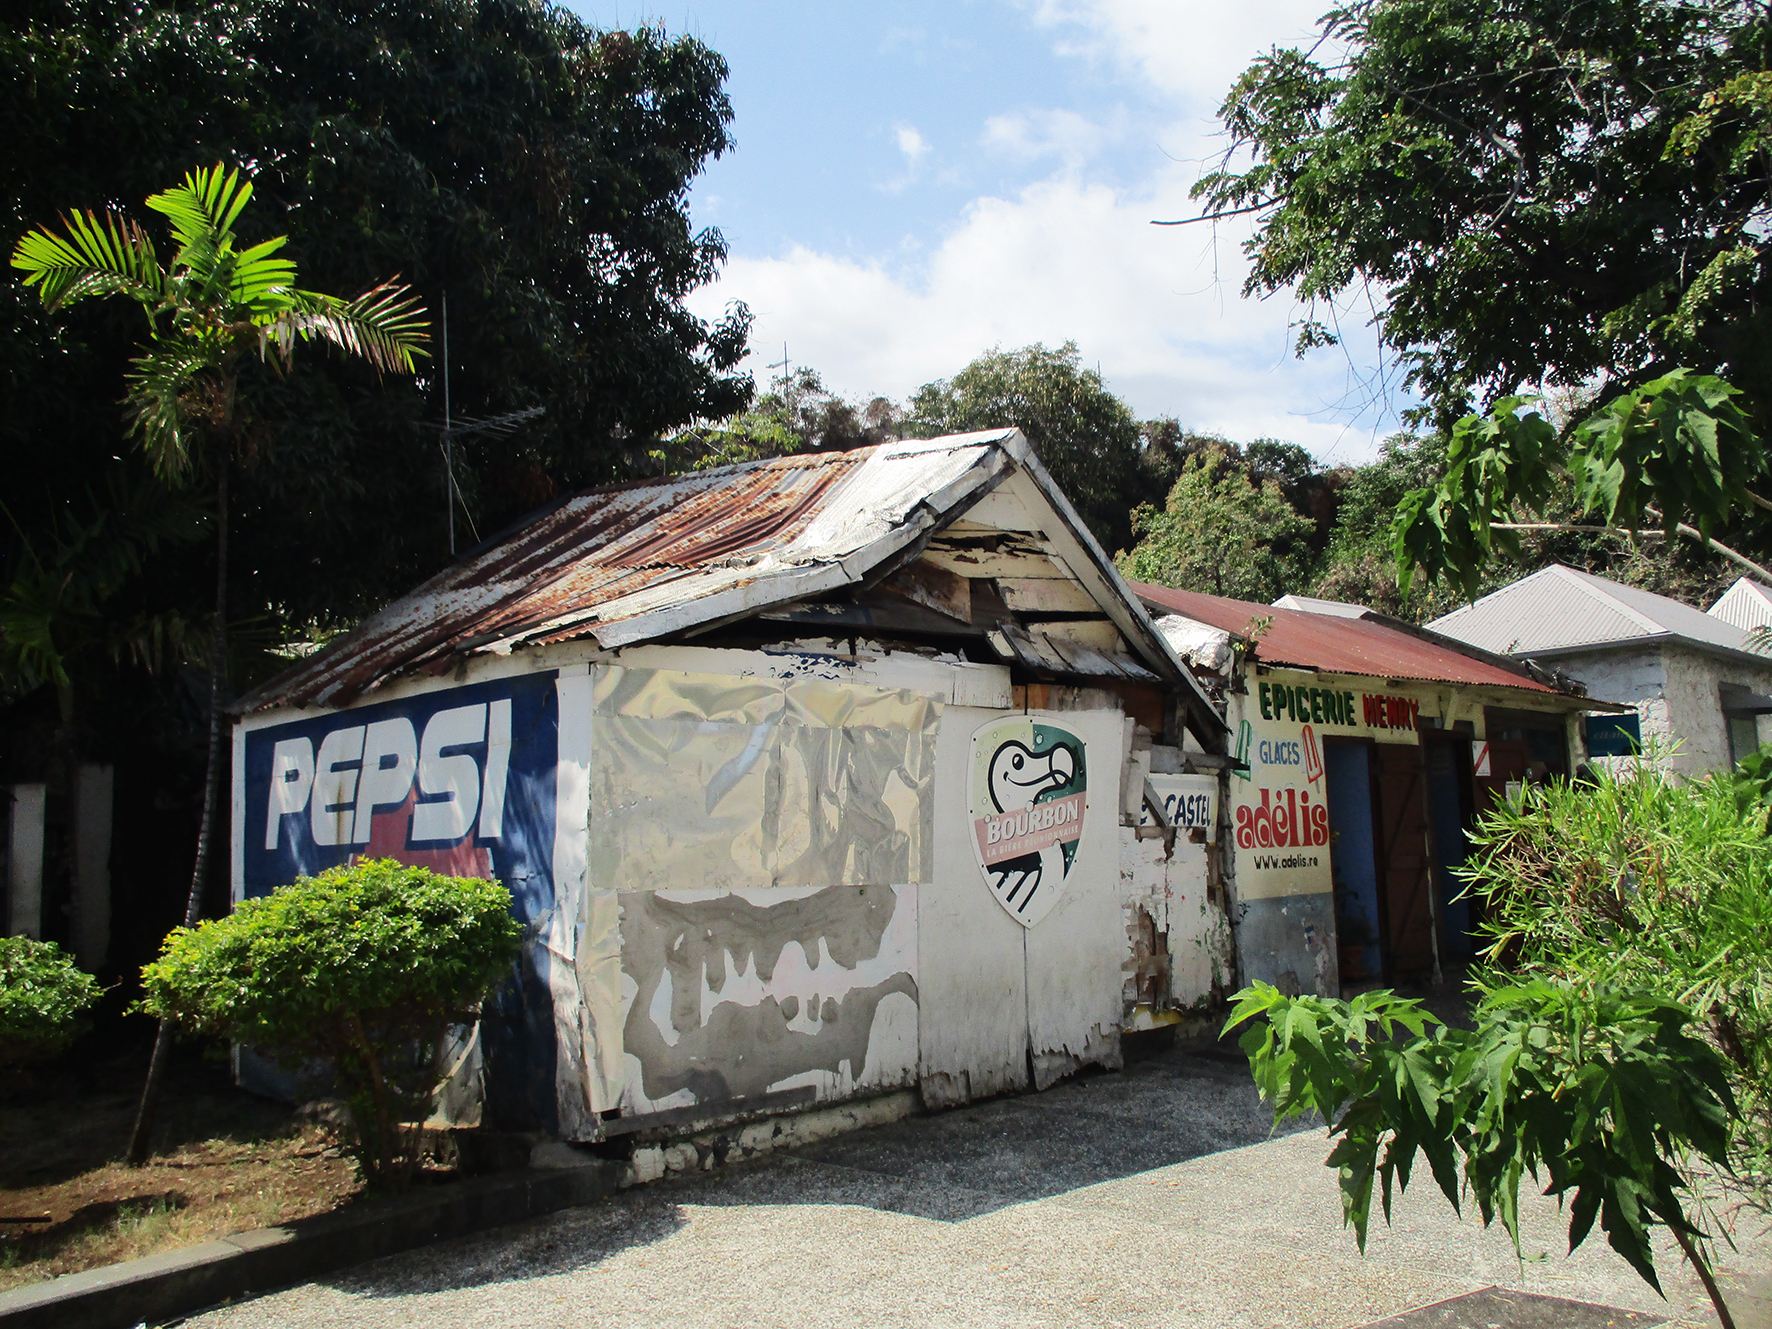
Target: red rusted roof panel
593 549
1338 645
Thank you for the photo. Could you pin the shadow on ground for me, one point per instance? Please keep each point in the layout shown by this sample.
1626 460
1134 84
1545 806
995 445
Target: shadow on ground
948 1167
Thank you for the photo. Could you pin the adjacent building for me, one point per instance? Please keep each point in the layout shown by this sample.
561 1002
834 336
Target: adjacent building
1364 750
1694 682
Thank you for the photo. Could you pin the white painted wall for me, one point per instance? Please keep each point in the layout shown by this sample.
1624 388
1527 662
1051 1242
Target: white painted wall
972 988
1675 691
24 877
1075 953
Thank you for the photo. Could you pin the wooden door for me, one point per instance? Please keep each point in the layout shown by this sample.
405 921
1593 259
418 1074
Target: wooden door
1508 760
1405 869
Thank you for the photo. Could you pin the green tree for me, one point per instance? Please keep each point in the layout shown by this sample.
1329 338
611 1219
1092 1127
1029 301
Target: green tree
1600 1094
1086 437
1520 185
531 166
213 311
366 967
798 415
1221 532
1533 194
43 998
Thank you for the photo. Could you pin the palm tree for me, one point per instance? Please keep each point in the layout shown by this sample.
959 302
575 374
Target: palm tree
212 309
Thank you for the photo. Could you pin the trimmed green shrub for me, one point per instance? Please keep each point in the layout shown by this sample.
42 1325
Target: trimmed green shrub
43 998
364 967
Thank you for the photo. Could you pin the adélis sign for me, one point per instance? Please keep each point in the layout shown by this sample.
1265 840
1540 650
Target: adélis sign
1280 809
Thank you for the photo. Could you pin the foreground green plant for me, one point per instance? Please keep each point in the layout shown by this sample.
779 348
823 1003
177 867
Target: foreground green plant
1598 1093
43 998
365 967
1640 883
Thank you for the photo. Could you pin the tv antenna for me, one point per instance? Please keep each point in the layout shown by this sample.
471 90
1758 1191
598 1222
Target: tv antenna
785 367
484 424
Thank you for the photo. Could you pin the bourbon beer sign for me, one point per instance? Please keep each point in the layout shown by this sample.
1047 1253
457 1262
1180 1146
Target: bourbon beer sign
1028 790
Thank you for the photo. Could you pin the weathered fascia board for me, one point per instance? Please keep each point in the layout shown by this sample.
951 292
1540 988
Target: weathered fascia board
1076 550
1022 565
925 517
1045 596
950 679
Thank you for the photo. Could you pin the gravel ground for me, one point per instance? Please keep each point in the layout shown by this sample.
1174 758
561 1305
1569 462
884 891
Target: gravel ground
1152 1197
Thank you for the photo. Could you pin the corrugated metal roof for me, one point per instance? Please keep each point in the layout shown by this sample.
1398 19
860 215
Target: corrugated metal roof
1312 605
1338 645
637 562
1747 605
1561 609
608 563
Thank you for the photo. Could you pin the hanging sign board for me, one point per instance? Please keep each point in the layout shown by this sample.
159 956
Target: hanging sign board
1189 801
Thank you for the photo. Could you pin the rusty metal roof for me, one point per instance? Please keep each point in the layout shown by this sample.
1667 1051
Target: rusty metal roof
638 562
1339 645
632 562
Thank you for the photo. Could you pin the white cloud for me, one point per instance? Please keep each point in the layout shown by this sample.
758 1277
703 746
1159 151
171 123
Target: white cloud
912 144
1188 49
1068 257
1035 134
1061 260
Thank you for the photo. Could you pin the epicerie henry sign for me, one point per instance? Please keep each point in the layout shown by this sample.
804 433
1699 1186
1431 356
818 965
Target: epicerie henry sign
1028 800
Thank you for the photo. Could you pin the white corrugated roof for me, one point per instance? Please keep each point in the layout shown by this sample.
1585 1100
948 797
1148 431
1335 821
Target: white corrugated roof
1746 604
1559 609
1310 604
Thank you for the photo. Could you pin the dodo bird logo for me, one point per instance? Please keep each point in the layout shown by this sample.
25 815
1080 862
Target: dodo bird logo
1028 801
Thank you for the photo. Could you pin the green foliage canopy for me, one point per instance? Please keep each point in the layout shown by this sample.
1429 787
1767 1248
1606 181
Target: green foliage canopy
1221 532
1532 191
1636 881
532 167
365 967
1086 436
42 998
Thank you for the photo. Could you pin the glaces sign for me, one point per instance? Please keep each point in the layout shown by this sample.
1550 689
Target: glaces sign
1027 784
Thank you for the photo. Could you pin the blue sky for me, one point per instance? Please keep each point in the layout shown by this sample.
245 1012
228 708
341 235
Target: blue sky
917 182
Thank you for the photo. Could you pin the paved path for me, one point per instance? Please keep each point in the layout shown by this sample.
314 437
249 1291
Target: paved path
1154 1197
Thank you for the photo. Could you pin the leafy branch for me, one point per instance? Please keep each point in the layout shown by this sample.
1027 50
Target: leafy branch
1594 1091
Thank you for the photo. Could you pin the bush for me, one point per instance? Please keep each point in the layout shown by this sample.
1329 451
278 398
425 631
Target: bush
1642 883
43 998
365 967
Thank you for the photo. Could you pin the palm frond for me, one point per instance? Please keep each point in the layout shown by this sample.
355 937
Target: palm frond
385 325
96 257
157 383
261 283
202 209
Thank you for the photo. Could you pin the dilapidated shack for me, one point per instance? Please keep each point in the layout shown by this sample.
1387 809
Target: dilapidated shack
815 780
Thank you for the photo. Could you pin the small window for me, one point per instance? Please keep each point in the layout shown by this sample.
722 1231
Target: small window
1613 735
1744 737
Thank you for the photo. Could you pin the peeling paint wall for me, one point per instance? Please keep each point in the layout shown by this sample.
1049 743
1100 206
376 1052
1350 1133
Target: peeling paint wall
765 837
1177 935
1675 691
973 1025
752 877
